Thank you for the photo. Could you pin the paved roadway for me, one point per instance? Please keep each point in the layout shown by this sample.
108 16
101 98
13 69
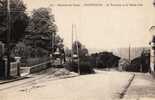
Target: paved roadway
101 86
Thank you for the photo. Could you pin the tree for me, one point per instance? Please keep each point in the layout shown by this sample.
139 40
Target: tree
82 50
58 45
141 63
41 29
105 60
19 20
68 52
81 65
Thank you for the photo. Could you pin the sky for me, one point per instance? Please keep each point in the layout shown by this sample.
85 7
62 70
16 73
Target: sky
102 27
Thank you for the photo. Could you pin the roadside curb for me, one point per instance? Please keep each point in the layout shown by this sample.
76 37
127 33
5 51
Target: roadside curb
122 94
25 77
13 80
66 77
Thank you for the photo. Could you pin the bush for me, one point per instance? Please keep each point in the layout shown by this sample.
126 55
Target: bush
85 67
104 60
138 64
141 63
135 65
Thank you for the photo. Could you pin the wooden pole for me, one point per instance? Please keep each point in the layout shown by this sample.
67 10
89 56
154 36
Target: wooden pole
129 52
77 48
72 44
8 39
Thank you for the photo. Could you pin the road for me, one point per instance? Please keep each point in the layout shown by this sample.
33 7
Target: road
100 86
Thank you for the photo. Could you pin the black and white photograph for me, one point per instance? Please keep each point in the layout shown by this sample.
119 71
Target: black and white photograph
77 49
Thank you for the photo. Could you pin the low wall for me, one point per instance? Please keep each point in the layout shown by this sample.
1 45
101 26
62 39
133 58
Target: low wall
39 67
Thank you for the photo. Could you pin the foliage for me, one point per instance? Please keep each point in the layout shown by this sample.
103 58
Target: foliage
42 21
68 52
18 22
145 56
82 50
141 63
35 61
41 33
39 38
58 44
85 67
93 59
31 36
84 63
41 29
104 60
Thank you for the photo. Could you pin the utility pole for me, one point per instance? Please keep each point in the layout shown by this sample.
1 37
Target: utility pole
129 52
72 44
77 48
7 75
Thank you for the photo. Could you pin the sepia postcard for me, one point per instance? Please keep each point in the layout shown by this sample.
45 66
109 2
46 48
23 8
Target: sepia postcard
77 49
